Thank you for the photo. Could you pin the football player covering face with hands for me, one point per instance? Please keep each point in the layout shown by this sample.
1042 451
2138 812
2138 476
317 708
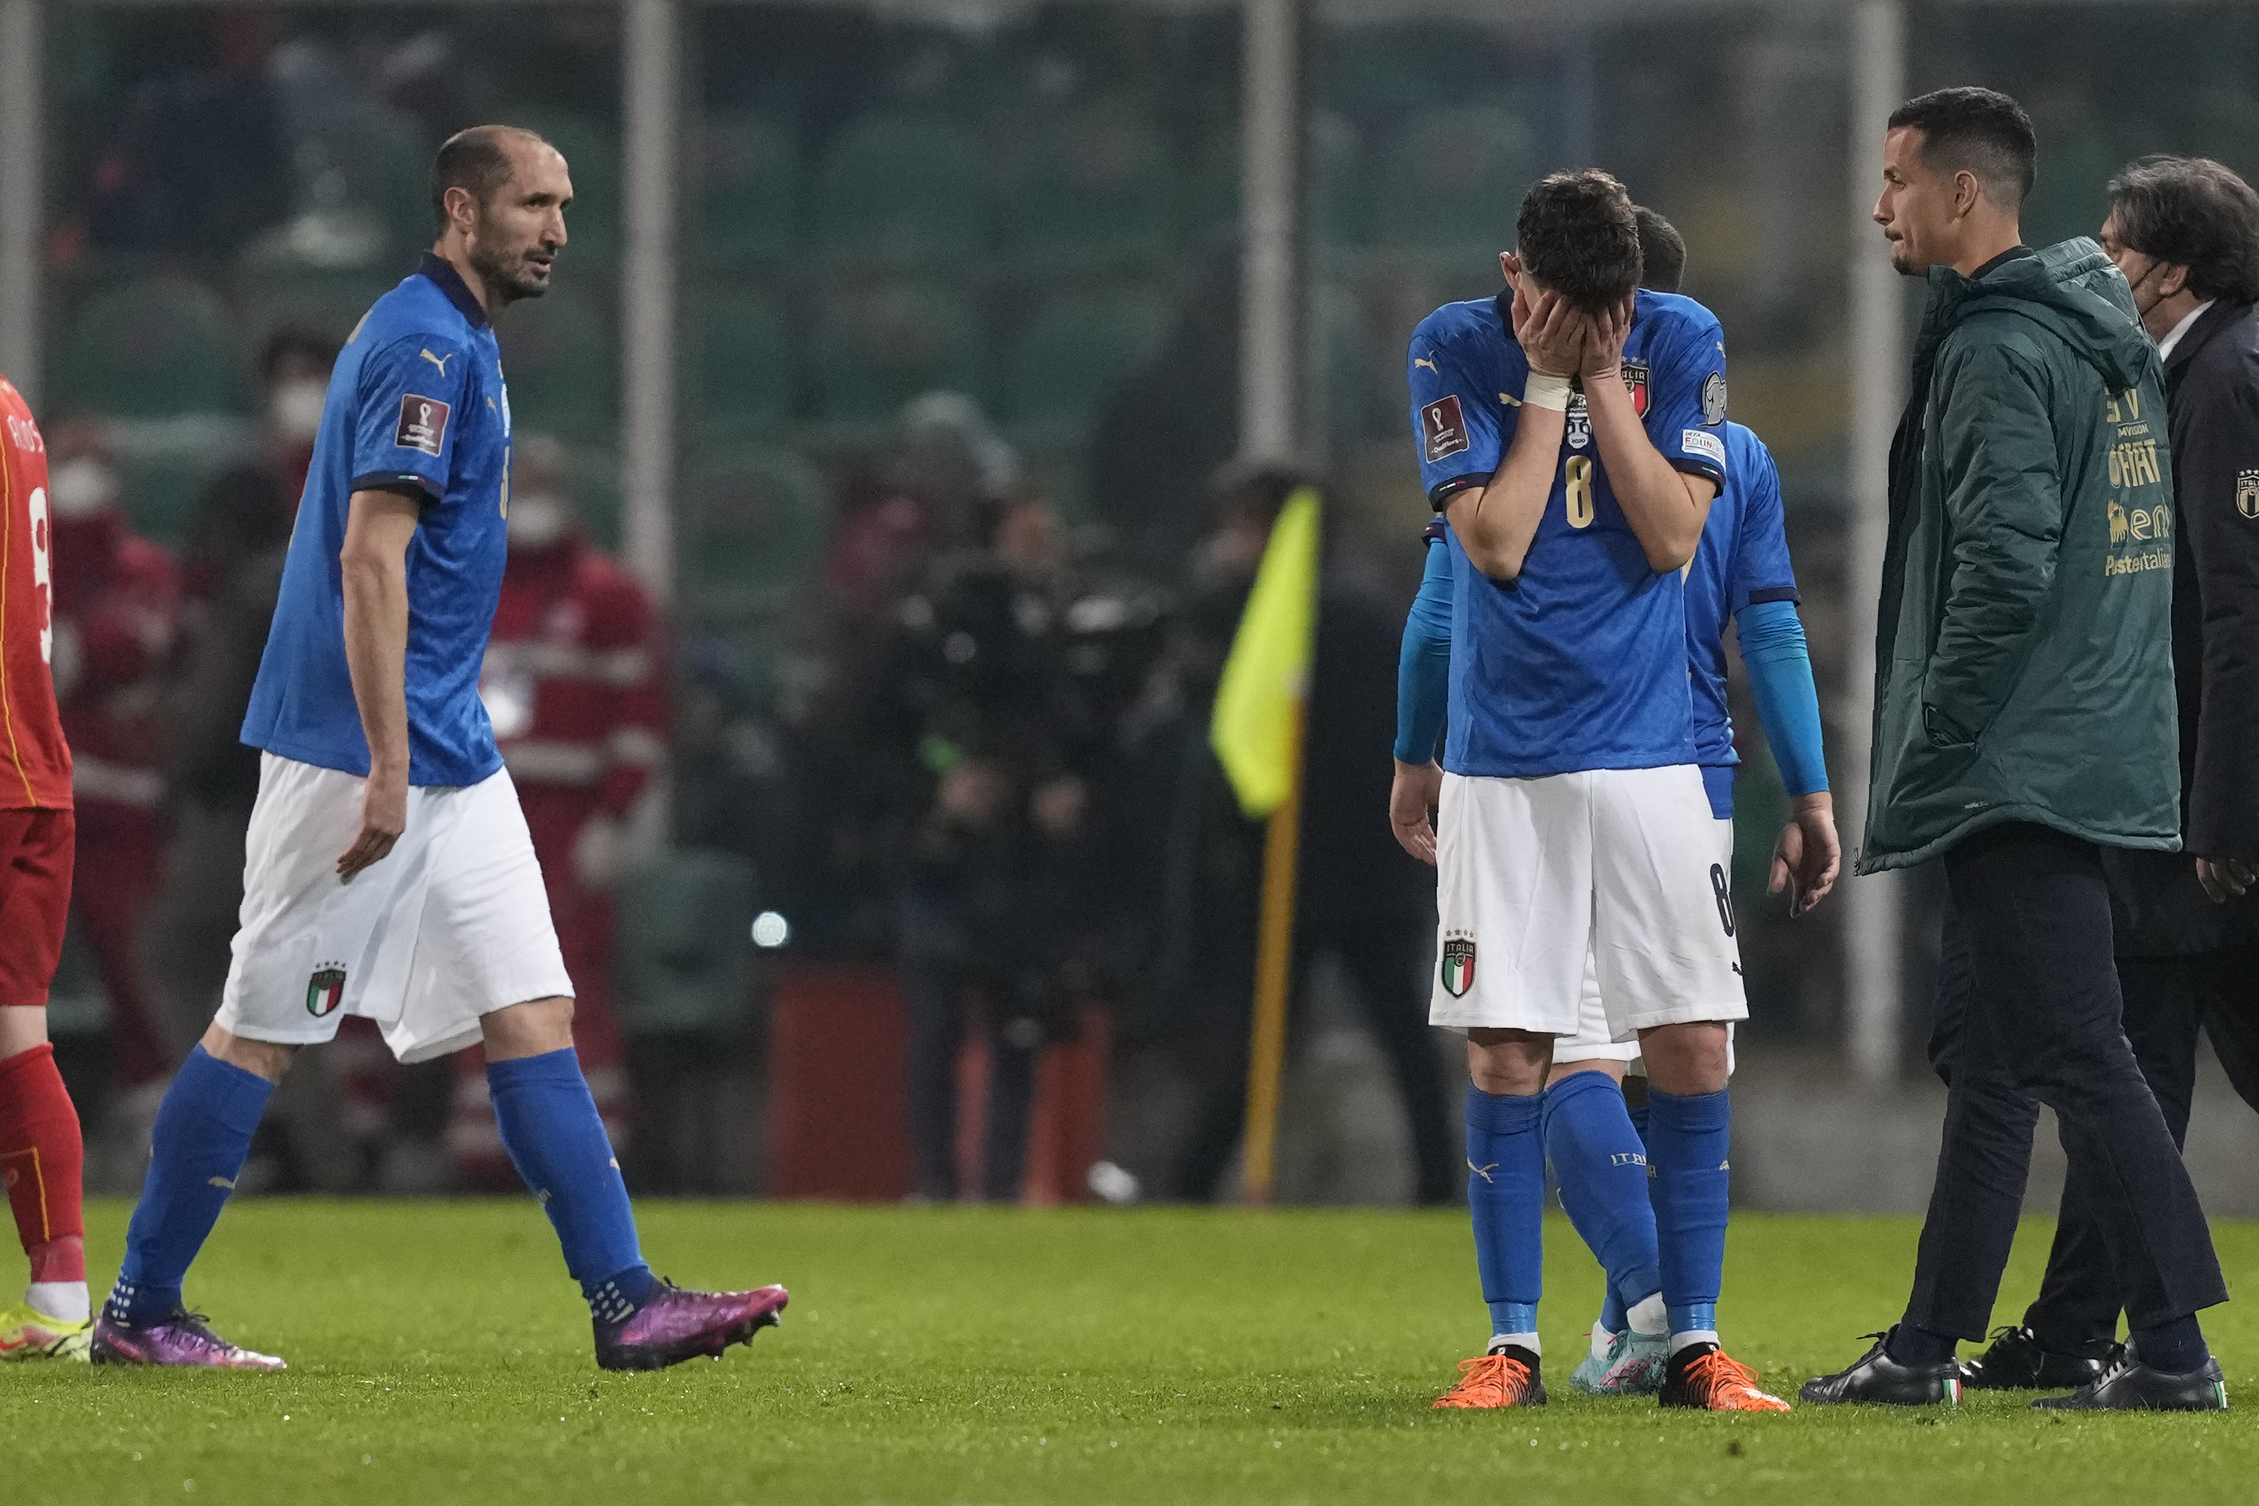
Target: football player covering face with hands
1560 341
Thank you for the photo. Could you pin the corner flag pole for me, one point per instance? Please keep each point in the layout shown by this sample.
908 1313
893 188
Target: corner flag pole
1274 954
1256 731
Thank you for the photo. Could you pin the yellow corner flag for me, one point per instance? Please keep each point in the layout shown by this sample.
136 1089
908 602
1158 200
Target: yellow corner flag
1257 735
1256 728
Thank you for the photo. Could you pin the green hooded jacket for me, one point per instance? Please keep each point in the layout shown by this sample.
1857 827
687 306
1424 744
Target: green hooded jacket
2023 647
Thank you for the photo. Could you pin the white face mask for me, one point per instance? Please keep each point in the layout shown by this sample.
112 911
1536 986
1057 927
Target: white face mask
81 488
538 519
295 409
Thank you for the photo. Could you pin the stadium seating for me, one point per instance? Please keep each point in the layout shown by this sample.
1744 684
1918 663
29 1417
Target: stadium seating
1446 185
1077 351
151 347
903 188
591 149
1333 163
739 377
745 191
752 527
558 355
1094 185
685 964
879 344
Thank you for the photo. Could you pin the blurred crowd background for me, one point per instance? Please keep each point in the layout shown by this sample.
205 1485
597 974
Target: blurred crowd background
888 853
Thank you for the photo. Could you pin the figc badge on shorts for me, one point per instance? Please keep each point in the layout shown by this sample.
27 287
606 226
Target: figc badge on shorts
1458 965
325 991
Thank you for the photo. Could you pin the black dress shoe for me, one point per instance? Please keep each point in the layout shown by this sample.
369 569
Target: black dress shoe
2130 1386
1879 1379
2018 1361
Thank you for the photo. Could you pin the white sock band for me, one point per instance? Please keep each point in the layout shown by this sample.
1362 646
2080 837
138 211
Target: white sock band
1527 1341
1543 391
1648 1316
1693 1336
64 1301
1602 1341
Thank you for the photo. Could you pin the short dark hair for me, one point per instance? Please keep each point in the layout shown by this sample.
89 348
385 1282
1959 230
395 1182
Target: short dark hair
476 160
1577 235
1980 131
1662 251
2196 213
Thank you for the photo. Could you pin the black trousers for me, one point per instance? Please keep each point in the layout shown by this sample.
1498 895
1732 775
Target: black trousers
2168 1000
2030 933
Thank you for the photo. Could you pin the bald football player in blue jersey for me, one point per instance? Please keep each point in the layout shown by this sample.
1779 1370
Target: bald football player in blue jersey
1740 571
389 872
1570 430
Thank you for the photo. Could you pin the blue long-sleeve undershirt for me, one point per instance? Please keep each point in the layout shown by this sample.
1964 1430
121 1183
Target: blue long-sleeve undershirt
1780 680
1423 664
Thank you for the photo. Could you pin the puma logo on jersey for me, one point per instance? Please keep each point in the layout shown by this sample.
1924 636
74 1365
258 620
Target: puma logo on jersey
1420 361
438 361
1483 1171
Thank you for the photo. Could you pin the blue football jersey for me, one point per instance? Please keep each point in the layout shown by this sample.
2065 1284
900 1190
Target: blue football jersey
1743 560
416 403
1580 662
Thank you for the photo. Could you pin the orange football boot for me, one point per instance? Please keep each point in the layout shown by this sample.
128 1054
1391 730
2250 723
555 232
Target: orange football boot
1507 1378
1705 1376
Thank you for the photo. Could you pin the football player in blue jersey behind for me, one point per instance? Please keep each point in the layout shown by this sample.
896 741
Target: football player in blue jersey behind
1570 430
389 871
1741 570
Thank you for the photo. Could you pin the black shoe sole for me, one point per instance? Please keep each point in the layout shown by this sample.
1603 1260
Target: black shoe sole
711 1345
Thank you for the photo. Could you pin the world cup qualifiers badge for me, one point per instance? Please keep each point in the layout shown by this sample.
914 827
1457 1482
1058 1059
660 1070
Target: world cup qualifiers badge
423 424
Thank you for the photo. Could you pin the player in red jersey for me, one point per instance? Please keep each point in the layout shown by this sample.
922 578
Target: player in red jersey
40 1151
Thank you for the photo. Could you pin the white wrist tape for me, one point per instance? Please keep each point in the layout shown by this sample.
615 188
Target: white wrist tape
1542 391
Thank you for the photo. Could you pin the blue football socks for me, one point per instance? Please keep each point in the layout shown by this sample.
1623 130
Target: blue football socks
1687 1145
1602 1171
1506 1195
556 1140
202 1135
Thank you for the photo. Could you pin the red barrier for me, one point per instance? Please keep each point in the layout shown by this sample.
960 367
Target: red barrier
837 1068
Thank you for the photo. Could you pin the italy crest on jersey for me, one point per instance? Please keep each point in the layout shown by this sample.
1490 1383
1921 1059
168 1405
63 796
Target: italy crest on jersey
1458 965
1635 378
325 991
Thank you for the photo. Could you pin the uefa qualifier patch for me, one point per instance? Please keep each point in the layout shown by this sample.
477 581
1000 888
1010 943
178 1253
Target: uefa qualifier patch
1714 399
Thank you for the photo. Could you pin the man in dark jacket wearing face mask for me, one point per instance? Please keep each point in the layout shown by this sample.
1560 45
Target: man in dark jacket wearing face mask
2024 723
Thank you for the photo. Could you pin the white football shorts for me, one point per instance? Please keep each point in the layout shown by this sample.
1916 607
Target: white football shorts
451 925
1621 865
1591 1042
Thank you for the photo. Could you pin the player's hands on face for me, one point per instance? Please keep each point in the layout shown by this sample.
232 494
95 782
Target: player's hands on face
1417 790
1550 332
1808 855
1605 333
384 815
2226 877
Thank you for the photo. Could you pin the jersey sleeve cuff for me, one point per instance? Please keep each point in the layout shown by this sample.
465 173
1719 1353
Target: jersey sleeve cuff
406 483
1698 467
1440 494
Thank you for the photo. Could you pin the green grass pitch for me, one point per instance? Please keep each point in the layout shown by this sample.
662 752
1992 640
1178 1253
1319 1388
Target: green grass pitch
438 1354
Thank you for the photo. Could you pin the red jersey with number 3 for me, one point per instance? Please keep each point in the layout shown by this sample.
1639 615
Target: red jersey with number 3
35 762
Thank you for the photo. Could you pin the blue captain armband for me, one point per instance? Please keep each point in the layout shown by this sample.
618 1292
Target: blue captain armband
1780 678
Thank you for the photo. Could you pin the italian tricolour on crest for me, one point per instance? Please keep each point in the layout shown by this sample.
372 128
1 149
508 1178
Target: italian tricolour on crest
1458 965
